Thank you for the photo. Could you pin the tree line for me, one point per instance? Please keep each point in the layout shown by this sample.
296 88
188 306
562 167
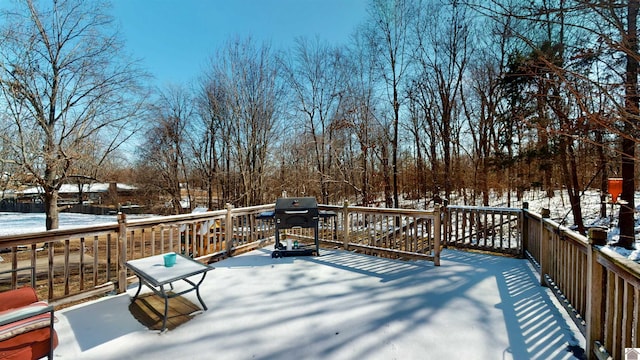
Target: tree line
427 99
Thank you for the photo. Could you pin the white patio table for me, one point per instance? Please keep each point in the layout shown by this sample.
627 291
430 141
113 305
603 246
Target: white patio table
152 272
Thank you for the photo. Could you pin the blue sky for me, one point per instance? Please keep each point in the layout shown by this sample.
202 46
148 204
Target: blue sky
175 38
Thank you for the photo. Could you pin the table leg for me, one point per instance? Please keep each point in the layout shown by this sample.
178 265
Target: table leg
139 288
204 307
166 307
196 287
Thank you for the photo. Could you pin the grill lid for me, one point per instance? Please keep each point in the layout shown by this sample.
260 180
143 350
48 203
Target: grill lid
293 204
296 212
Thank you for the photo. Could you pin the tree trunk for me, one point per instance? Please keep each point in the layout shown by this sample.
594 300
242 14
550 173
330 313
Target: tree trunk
446 156
484 181
627 207
365 177
388 196
394 161
433 152
602 161
51 209
575 187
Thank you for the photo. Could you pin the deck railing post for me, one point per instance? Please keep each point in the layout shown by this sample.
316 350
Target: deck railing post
446 226
228 230
437 227
345 225
544 247
595 294
122 252
524 229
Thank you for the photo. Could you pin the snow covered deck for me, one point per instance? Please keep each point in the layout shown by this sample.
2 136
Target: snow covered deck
341 305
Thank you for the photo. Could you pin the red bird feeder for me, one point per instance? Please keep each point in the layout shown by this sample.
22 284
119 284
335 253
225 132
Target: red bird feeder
615 188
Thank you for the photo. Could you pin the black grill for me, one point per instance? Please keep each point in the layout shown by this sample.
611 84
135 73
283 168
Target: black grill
301 212
296 212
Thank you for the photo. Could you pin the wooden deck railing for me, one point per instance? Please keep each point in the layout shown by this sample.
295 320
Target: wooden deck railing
599 288
392 233
72 264
484 228
561 258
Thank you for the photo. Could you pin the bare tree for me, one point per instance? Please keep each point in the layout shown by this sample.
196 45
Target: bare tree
441 54
485 88
602 57
211 143
249 75
389 32
314 77
163 159
7 169
358 109
64 82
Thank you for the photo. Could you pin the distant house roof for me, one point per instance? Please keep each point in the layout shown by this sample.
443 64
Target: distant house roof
86 188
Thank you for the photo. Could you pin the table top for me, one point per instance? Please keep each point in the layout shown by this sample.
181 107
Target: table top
153 270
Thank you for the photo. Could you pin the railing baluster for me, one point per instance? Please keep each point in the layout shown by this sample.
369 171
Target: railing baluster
162 244
66 267
96 257
50 274
82 265
627 315
33 265
171 230
610 314
462 238
617 314
14 265
121 255
495 229
109 257
636 317
153 241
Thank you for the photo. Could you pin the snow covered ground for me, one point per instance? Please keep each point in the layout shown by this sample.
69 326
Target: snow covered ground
21 223
18 223
12 223
341 305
